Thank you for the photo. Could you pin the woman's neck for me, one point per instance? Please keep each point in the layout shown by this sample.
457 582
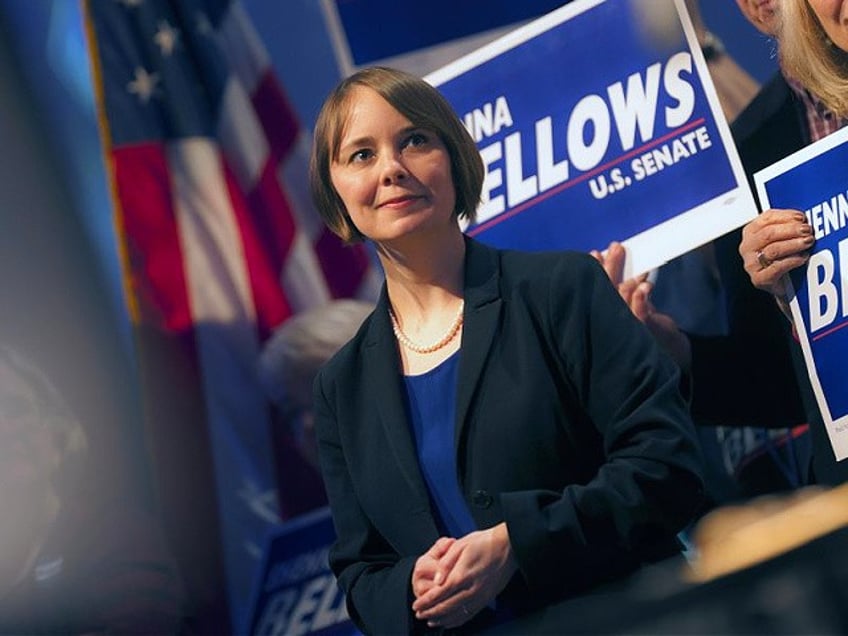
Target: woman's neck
424 275
425 289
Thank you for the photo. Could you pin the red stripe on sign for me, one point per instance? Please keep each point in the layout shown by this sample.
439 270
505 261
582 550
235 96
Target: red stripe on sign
154 254
276 115
266 230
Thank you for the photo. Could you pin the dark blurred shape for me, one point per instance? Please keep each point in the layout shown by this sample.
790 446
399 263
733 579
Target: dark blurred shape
779 566
96 561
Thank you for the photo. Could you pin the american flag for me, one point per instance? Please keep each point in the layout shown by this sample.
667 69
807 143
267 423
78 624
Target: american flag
207 163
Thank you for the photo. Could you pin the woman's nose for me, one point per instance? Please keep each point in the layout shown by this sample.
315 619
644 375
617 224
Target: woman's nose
393 169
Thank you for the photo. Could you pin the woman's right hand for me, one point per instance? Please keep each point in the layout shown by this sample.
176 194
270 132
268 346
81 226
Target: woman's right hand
470 572
773 244
428 572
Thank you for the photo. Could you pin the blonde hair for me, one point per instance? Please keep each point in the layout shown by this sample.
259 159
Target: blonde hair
808 55
425 107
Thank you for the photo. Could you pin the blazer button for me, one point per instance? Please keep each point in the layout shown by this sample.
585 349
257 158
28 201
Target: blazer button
481 499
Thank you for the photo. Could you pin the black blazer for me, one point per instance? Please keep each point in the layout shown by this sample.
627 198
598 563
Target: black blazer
570 427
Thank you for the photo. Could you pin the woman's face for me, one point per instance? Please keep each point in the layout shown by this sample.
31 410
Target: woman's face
833 16
393 178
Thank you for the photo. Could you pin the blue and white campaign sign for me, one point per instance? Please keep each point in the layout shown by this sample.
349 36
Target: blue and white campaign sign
815 181
598 122
296 593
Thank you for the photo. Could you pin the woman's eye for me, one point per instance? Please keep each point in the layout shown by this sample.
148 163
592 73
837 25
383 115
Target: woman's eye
416 139
360 155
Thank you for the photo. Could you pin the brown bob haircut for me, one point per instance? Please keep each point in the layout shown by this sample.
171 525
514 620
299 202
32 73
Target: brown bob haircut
425 107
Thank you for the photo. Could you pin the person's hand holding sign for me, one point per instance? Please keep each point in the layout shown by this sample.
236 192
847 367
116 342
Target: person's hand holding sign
773 244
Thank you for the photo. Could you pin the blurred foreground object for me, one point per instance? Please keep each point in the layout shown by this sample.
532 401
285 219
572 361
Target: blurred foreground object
778 565
736 537
70 563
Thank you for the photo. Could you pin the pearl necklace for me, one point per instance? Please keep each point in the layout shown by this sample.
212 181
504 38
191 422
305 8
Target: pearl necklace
417 348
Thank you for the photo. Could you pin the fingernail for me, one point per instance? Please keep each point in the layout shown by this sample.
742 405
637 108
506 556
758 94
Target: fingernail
438 578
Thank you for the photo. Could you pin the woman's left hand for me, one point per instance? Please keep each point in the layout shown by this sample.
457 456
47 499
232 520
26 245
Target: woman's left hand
473 571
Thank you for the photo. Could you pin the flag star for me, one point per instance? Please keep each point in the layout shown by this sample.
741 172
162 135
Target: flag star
166 38
144 84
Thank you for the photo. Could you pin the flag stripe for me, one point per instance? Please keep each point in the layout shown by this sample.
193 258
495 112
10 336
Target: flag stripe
266 231
228 347
303 280
217 282
242 48
241 135
293 175
155 256
276 117
343 281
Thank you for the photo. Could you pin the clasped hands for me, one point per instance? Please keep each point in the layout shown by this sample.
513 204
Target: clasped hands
456 578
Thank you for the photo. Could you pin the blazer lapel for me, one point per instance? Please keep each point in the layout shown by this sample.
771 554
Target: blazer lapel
482 311
382 368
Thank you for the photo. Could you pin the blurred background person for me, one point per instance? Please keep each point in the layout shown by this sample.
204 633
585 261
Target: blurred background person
760 355
688 287
287 368
813 53
734 86
704 313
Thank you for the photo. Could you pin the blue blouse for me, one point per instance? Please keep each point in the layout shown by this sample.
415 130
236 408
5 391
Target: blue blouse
431 400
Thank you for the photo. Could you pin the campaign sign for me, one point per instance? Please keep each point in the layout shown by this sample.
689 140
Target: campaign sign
296 593
598 122
815 181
